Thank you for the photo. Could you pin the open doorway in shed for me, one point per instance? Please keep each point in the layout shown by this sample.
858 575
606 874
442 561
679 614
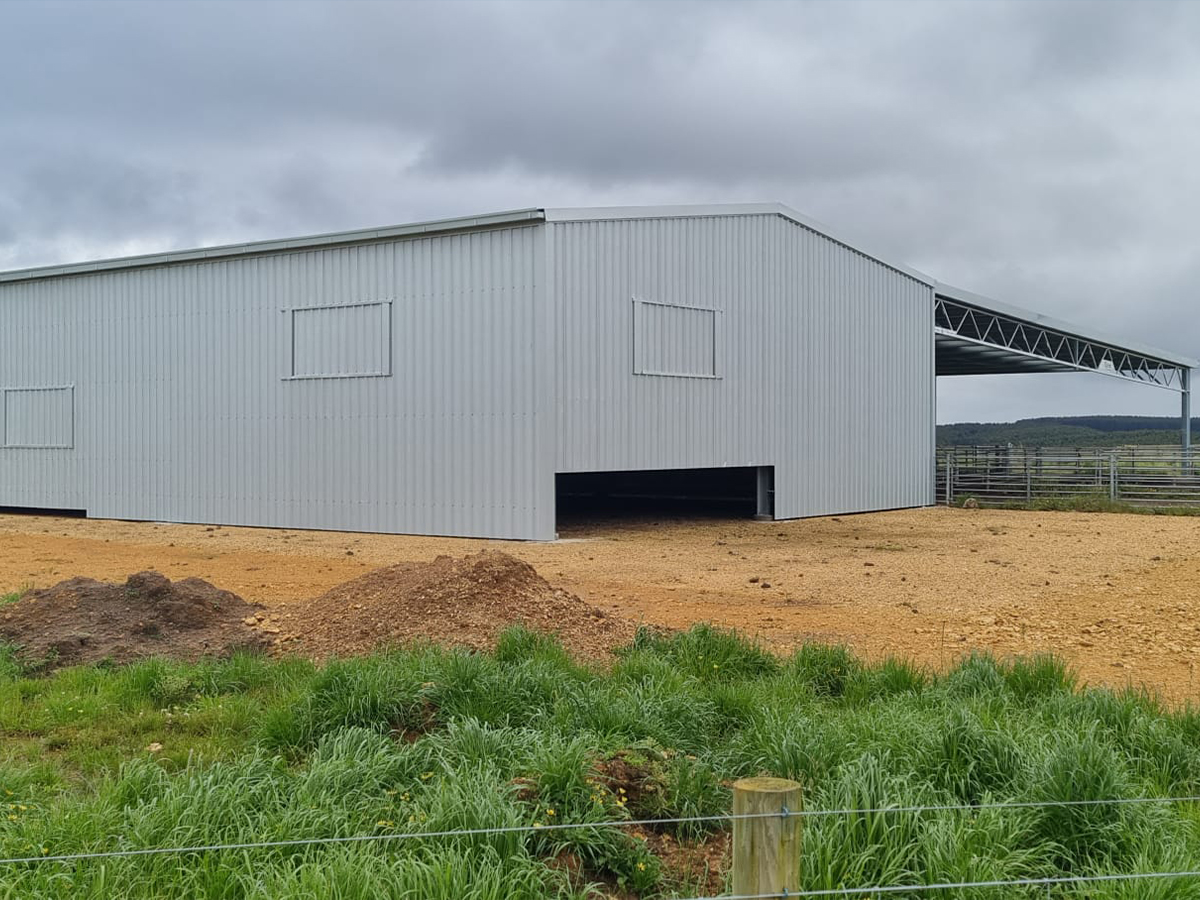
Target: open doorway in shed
585 498
43 511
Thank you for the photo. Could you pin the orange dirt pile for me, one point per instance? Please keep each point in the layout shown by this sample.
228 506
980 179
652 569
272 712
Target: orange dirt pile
464 602
1114 594
86 621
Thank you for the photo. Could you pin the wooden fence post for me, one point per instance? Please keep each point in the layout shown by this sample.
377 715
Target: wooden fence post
766 851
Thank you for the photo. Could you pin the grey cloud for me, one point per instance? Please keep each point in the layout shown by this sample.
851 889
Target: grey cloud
113 190
1040 152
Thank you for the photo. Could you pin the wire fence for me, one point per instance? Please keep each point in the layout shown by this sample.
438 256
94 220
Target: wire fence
883 890
1139 476
385 837
784 813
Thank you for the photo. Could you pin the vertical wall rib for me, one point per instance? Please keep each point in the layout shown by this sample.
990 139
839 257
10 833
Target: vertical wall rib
184 411
826 359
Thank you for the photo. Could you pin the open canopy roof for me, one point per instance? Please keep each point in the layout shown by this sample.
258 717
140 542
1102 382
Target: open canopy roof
977 336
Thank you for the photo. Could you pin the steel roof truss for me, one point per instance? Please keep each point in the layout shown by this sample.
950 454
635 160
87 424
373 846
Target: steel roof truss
1007 339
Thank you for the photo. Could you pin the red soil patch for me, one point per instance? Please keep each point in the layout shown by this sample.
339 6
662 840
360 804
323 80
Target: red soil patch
699 866
626 779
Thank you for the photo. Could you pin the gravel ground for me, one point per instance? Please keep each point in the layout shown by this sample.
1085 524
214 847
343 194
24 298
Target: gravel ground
1117 595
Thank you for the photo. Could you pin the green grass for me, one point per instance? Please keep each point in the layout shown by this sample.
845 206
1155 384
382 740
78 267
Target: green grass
428 739
12 597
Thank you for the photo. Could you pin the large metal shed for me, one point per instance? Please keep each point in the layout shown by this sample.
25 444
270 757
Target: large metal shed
437 378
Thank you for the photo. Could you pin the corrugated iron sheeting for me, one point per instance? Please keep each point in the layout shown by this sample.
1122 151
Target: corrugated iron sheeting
184 411
826 360
510 355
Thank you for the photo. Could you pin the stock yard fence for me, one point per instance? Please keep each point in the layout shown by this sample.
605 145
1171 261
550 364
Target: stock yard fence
1137 476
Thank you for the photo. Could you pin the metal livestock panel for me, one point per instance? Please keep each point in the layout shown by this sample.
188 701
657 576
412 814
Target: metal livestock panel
189 406
823 354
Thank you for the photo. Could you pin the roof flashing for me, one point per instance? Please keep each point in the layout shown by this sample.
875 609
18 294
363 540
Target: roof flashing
615 213
284 245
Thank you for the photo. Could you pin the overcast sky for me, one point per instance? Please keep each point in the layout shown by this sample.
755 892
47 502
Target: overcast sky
1045 154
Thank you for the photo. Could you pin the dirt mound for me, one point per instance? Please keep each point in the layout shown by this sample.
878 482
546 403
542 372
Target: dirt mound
465 602
85 621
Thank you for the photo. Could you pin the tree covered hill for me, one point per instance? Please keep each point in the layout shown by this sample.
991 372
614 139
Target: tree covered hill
1067 431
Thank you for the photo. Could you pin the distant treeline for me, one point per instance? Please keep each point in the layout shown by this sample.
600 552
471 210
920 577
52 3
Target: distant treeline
1067 431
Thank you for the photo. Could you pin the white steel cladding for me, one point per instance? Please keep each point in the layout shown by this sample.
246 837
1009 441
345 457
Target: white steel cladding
826 359
433 378
188 405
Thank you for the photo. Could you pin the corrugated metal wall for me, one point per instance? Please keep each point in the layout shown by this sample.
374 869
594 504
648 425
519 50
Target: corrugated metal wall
188 406
196 391
826 360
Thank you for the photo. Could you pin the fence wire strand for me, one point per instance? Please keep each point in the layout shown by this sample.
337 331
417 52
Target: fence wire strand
957 885
978 807
620 823
400 836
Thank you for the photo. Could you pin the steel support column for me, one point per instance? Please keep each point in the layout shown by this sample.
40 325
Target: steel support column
1185 378
764 491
